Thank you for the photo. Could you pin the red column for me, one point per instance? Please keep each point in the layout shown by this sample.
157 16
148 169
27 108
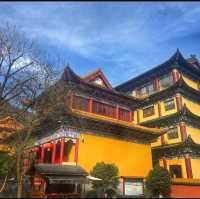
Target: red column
117 112
179 101
183 131
130 116
175 75
165 163
188 166
53 152
62 149
76 151
162 139
42 154
156 85
90 105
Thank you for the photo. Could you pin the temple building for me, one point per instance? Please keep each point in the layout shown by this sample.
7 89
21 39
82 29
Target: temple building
95 123
8 127
171 100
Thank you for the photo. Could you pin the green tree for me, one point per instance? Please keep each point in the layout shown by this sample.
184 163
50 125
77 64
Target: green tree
158 182
110 179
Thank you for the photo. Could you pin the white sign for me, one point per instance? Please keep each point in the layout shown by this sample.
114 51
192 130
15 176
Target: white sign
60 133
133 188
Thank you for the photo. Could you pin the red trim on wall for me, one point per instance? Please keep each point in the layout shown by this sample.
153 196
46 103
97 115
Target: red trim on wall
188 166
76 151
185 191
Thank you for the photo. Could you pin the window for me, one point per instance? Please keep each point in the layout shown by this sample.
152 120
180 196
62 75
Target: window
80 103
147 89
103 109
148 111
175 171
172 133
169 104
133 187
124 115
166 81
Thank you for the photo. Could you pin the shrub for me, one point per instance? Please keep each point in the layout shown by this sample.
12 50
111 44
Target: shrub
110 179
158 181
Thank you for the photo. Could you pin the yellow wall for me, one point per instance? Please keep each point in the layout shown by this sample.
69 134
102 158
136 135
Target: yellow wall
143 119
71 154
192 106
180 161
195 163
172 141
156 115
169 112
194 132
190 82
168 141
132 159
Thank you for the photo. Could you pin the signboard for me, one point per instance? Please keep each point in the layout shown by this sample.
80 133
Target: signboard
133 188
60 133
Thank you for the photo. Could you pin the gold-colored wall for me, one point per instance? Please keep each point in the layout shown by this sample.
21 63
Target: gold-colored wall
156 115
194 132
168 141
143 119
168 112
71 154
132 159
195 164
180 161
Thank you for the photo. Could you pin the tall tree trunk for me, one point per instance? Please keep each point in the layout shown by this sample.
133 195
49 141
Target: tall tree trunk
19 175
20 187
19 163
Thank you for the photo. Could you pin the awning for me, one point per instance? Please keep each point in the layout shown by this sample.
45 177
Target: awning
93 178
60 170
66 180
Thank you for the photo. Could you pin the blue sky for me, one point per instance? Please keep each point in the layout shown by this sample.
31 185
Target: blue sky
124 39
